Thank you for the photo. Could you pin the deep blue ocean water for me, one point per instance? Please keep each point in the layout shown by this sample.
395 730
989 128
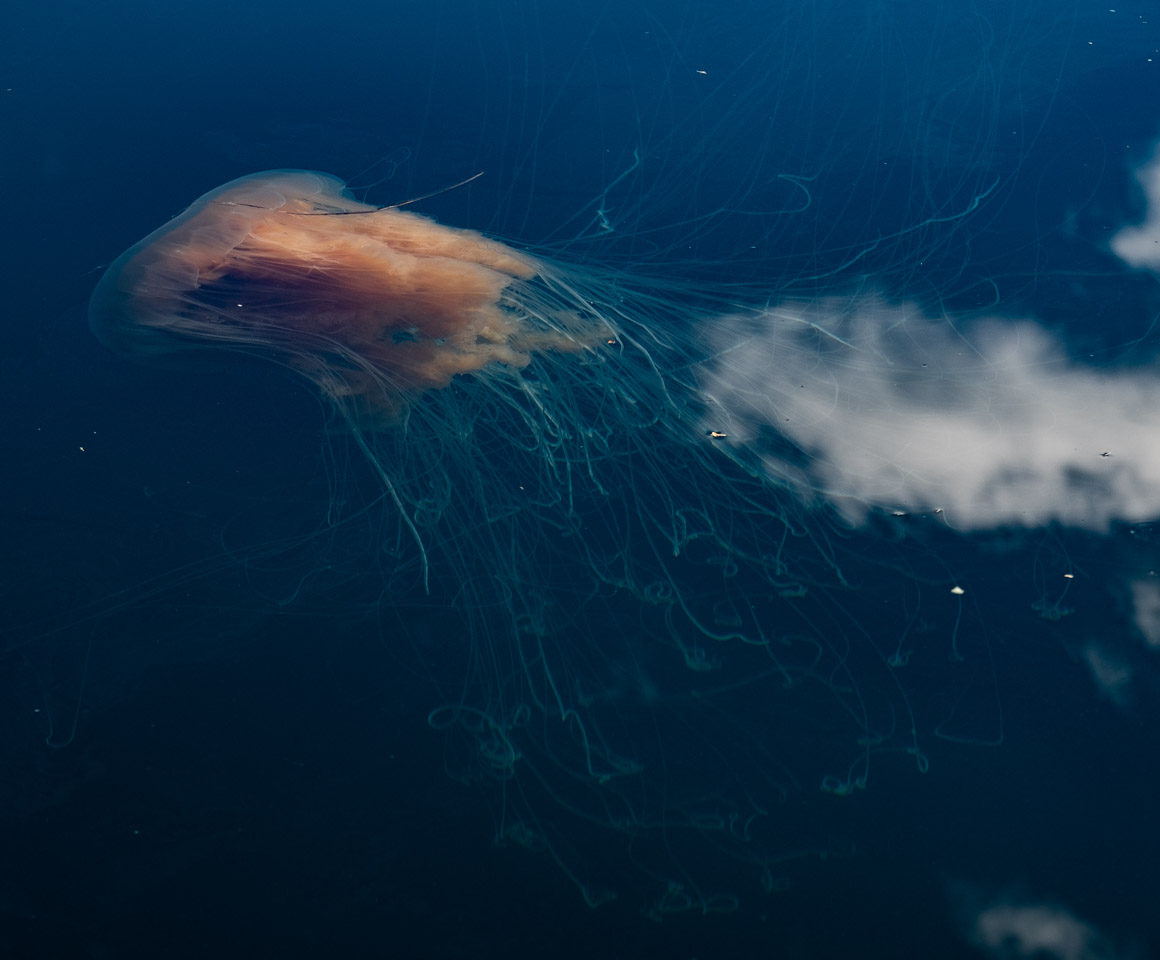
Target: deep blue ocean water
214 697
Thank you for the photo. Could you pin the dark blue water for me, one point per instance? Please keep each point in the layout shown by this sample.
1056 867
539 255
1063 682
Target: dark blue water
214 700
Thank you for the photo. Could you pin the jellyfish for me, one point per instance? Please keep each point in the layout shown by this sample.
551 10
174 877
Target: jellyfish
557 477
664 521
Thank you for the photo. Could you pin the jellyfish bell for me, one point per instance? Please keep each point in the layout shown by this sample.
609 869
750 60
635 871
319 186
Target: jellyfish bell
374 305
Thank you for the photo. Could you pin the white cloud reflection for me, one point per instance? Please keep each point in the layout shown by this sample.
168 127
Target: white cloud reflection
991 422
